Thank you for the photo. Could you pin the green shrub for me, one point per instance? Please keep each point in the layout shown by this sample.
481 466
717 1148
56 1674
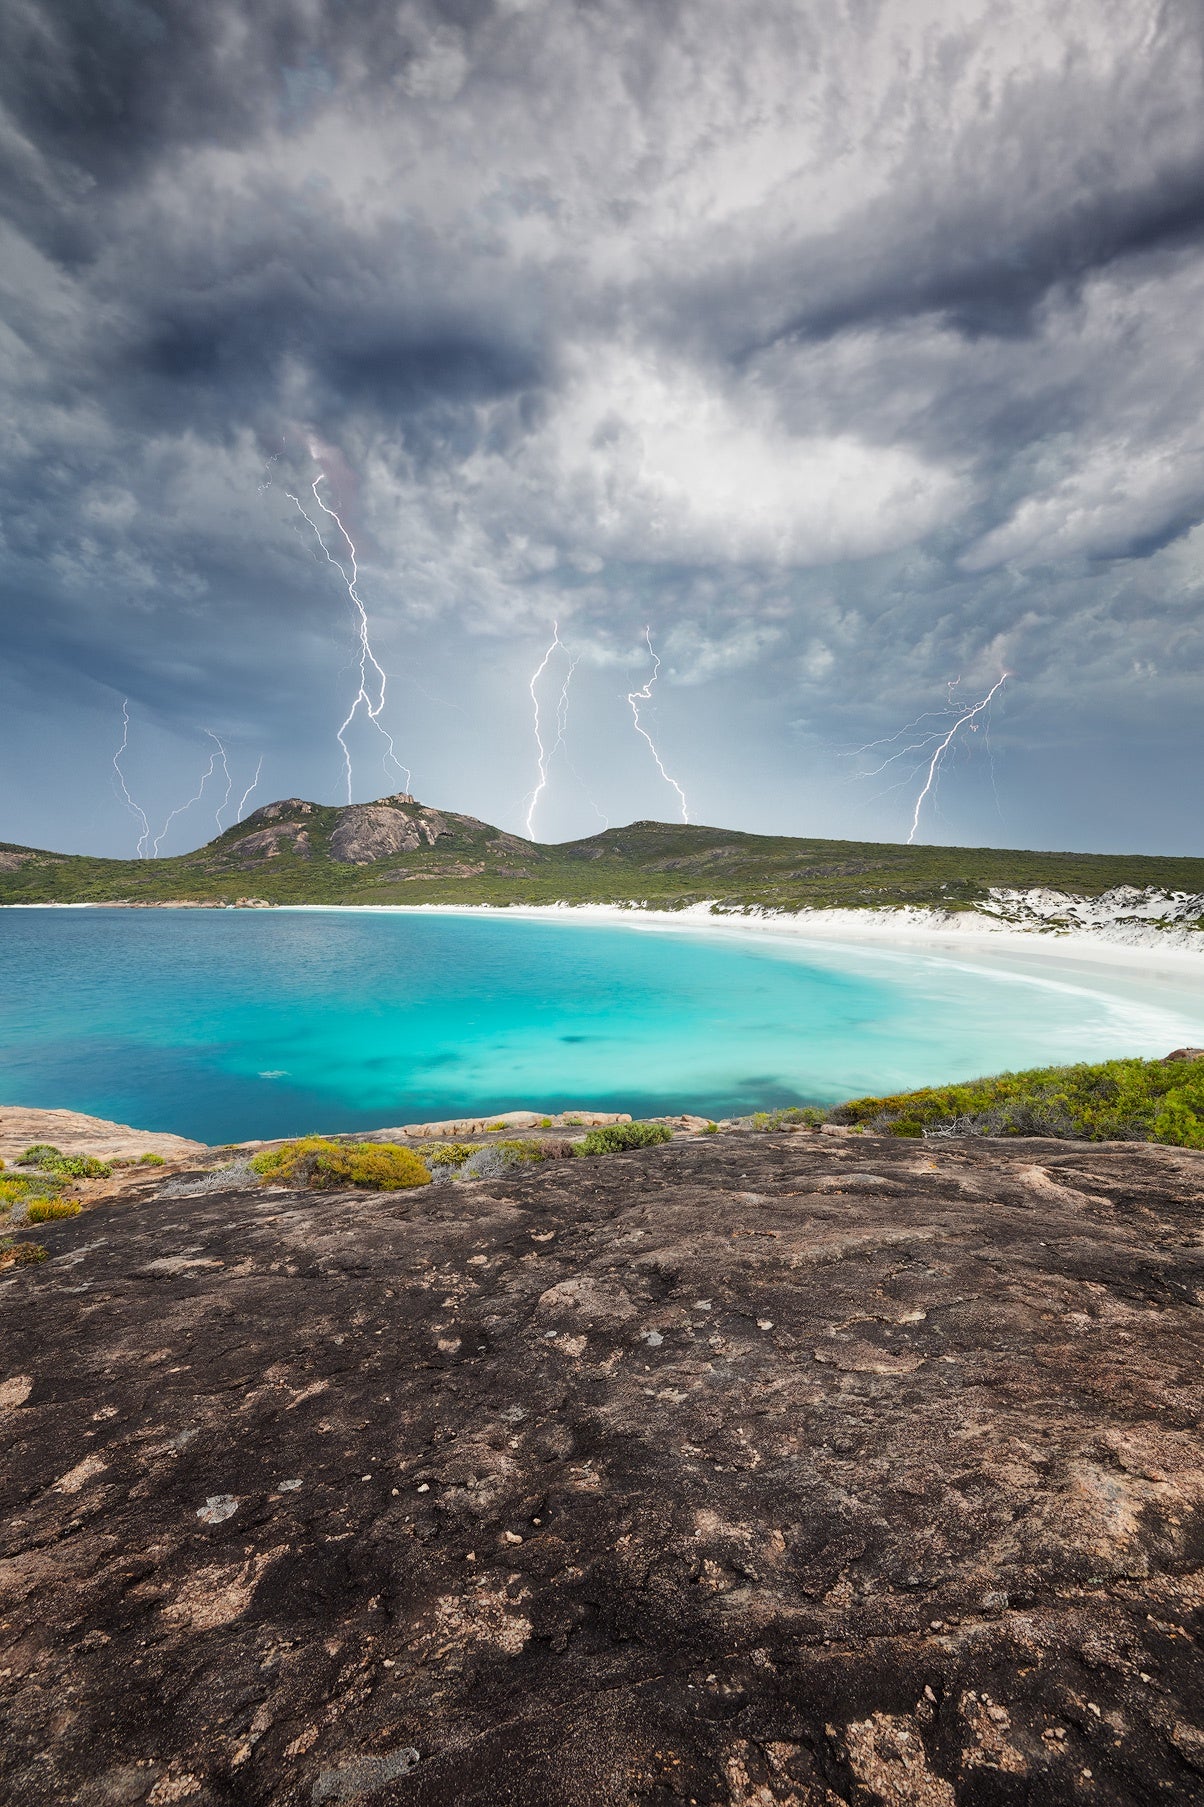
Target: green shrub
1111 1101
810 1114
712 1129
492 1160
317 1161
20 1188
71 1166
521 1151
613 1138
151 1160
450 1154
19 1254
45 1210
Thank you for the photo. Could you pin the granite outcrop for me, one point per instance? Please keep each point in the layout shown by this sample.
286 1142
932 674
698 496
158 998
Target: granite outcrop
755 1469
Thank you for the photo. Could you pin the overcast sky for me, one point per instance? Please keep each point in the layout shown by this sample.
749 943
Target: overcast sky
854 349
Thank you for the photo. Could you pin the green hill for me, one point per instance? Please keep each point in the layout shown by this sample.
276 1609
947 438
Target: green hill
398 851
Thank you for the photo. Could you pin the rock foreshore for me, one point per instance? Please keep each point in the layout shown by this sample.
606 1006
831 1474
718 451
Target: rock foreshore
750 1469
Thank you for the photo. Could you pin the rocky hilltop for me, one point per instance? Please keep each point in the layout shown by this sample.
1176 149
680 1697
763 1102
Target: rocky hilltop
398 850
762 1470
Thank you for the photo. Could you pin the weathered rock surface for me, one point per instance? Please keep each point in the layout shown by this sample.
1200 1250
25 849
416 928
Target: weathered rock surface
750 1470
74 1133
285 806
267 843
371 831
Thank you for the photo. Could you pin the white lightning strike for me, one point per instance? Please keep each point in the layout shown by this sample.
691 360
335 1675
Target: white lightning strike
133 807
371 692
542 754
200 792
635 698
943 747
254 784
225 802
562 728
562 704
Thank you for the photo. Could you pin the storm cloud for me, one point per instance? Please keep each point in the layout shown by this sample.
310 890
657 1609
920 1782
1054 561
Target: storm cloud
854 350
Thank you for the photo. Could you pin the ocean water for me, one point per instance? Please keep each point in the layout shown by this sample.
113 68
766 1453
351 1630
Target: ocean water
230 1024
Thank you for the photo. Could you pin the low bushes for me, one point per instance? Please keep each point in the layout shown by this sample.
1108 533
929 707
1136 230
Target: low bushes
21 1254
317 1161
45 1210
23 1188
1113 1101
614 1138
71 1166
491 1160
450 1154
812 1115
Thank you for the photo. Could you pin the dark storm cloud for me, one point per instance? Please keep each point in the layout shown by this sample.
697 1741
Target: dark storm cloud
853 348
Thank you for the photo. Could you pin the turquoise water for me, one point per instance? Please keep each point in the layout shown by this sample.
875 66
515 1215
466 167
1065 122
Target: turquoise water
231 1024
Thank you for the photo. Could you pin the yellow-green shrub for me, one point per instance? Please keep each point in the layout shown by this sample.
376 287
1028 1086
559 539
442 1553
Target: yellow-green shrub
16 1189
450 1154
44 1210
317 1161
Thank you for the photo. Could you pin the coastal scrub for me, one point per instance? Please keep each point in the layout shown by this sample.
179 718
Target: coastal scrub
615 1138
317 1161
1112 1101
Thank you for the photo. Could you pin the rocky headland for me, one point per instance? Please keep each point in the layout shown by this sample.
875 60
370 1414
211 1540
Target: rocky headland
771 1470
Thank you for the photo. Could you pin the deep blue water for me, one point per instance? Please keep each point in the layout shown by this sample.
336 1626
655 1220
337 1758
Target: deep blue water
230 1024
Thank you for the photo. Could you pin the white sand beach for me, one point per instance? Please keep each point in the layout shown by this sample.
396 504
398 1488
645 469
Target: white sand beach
1134 961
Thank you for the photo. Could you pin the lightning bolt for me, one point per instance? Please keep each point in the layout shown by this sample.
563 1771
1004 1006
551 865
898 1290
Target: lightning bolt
372 688
968 719
134 808
562 704
200 791
225 802
242 802
562 728
635 698
542 754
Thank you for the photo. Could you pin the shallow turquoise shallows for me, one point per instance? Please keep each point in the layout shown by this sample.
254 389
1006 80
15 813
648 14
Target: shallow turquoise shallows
231 1024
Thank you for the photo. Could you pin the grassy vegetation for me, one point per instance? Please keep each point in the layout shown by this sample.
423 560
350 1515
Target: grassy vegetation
65 1166
809 1115
662 864
1114 1101
317 1161
20 1254
23 1189
614 1138
45 1210
35 1195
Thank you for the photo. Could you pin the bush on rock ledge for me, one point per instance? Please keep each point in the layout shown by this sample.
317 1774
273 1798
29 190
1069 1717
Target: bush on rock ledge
317 1161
